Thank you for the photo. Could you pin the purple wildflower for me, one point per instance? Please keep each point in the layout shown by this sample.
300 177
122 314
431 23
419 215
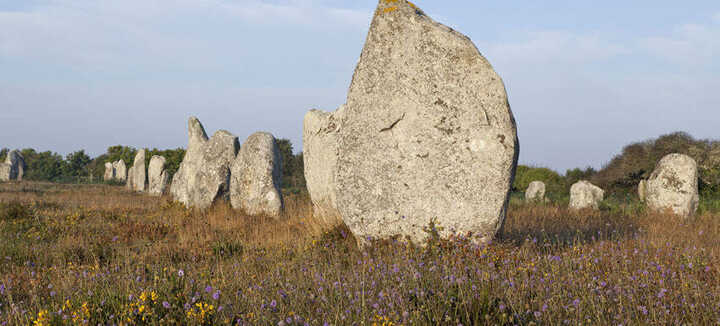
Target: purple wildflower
216 295
208 289
166 305
181 273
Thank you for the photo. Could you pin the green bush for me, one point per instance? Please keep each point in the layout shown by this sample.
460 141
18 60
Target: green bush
554 183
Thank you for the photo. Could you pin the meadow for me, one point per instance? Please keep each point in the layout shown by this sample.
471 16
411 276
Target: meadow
97 254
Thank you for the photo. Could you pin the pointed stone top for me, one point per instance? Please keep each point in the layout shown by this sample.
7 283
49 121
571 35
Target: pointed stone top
196 131
139 158
390 6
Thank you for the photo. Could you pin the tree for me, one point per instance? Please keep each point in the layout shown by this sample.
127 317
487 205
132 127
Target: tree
119 152
45 166
173 158
76 164
554 182
292 165
577 174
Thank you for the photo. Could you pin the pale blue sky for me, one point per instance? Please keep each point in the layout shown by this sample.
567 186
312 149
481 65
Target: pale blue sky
584 77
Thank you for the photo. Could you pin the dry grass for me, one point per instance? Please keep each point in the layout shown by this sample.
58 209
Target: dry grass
98 254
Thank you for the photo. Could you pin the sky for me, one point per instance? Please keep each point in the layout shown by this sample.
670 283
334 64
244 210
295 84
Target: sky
584 78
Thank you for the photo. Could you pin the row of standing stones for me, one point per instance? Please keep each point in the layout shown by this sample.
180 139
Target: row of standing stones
216 168
426 136
154 180
13 168
115 171
212 169
673 186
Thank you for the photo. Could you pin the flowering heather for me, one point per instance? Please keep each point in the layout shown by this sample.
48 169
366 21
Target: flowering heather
93 255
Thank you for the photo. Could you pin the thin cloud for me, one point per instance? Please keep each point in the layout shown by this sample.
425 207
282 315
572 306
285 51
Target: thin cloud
139 33
544 47
690 45
295 13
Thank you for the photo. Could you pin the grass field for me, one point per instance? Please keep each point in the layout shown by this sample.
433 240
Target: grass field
96 254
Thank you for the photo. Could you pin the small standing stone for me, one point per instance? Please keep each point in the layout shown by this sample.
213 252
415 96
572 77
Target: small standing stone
256 176
109 172
130 179
13 168
584 194
535 192
120 171
642 190
674 185
137 176
157 176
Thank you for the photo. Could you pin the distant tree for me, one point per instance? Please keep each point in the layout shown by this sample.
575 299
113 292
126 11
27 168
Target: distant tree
119 152
577 174
292 165
76 164
3 154
173 158
554 182
44 166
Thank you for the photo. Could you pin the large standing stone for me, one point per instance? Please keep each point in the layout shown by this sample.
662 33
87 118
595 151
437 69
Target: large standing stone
674 185
157 176
120 171
204 174
642 190
584 194
13 168
320 139
535 192
427 133
256 176
109 172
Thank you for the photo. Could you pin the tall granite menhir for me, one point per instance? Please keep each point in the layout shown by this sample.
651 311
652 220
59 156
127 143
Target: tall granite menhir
426 135
204 174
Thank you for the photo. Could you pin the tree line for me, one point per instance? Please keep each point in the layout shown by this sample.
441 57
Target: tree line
79 167
619 177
